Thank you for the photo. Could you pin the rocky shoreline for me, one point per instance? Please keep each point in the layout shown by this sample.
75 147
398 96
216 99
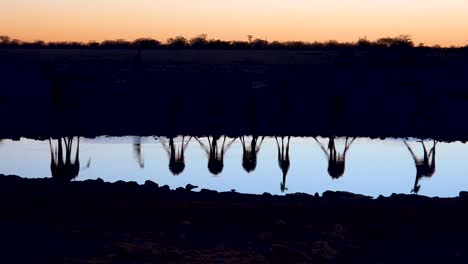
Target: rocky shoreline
98 222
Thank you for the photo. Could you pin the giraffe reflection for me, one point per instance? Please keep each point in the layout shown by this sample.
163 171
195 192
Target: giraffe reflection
425 167
176 155
62 166
336 160
215 153
250 153
283 160
137 152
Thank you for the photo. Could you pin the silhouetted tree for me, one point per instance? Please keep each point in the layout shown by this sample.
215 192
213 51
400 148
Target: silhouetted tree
178 42
199 41
363 43
116 44
4 40
295 45
146 43
399 41
259 44
137 152
93 44
218 44
239 45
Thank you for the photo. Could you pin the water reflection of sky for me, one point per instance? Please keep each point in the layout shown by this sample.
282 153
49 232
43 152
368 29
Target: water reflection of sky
373 167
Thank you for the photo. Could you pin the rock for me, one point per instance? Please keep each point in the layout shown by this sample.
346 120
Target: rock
206 191
164 188
99 181
298 195
119 183
409 199
151 184
344 195
132 184
190 187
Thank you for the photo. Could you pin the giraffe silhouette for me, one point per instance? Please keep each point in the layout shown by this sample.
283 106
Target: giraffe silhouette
137 152
250 112
283 160
176 155
215 153
65 104
250 153
426 166
138 59
336 160
62 166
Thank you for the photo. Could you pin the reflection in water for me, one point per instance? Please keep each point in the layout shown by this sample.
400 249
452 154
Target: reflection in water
65 160
137 152
176 155
250 153
215 153
62 167
336 160
283 160
425 167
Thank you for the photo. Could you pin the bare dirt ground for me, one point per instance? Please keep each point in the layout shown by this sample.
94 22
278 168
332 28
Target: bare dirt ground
96 222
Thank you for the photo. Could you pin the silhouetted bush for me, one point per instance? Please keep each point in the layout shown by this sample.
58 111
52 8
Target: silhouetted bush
219 44
147 43
296 45
363 43
116 44
401 44
199 42
4 40
240 45
400 41
93 44
66 45
259 44
178 42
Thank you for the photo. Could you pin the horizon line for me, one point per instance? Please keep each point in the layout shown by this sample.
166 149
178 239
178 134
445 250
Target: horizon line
5 39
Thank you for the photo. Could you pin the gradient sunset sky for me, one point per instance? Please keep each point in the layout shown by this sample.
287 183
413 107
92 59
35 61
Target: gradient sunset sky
443 22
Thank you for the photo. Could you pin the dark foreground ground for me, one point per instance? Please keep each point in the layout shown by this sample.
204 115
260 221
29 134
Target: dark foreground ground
42 221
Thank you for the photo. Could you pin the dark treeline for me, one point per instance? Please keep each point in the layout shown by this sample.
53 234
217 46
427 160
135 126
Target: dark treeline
202 42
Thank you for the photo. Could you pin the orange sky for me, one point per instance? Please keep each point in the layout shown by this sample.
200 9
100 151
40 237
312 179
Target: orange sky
443 22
